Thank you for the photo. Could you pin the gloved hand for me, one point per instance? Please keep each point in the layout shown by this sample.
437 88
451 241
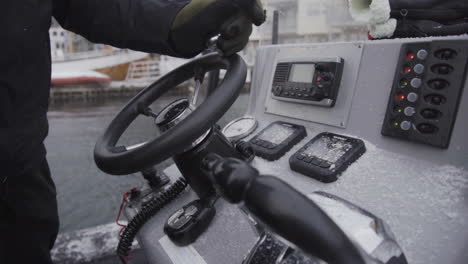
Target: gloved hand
200 20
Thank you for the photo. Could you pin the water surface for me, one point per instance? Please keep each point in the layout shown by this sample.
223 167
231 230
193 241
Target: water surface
88 197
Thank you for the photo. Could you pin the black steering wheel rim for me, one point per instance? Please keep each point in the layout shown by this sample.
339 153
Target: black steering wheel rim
120 161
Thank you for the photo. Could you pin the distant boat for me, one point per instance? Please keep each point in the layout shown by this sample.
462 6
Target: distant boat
94 67
66 78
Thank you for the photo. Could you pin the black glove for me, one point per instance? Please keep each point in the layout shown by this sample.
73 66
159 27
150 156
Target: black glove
200 20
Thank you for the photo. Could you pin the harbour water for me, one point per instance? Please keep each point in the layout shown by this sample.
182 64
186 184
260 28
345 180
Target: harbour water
86 196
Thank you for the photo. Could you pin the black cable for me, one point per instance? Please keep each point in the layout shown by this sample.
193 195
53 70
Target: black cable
148 210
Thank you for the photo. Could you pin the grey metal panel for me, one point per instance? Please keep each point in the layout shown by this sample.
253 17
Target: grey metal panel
368 112
228 239
335 116
369 103
421 191
423 203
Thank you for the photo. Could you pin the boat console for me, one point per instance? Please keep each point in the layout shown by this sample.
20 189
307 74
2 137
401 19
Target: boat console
348 153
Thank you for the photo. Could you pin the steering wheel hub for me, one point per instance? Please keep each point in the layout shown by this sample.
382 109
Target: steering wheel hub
172 114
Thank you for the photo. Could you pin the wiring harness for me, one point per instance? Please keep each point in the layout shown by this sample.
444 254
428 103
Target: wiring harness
148 210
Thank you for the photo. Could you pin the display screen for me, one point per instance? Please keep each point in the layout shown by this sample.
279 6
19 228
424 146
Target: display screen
302 73
276 134
328 149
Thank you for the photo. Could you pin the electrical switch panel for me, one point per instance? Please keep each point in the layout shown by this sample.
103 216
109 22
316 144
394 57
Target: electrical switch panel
426 92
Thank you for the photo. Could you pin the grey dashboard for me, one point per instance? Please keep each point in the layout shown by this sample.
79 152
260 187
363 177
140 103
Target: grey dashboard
421 191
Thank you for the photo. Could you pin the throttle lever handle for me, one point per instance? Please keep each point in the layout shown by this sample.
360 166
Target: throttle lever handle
283 209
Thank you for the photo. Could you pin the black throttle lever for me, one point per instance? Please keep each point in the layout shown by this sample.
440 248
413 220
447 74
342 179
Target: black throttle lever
187 224
283 209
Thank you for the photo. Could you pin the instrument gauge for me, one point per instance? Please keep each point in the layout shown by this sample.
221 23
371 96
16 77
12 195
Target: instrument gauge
240 128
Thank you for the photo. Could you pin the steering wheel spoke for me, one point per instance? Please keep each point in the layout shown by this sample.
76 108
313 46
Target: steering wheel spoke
132 147
148 112
198 78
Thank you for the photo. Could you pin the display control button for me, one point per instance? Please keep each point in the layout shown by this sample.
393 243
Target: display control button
270 146
308 159
405 125
412 97
277 90
422 54
416 82
418 68
316 161
409 111
300 157
325 165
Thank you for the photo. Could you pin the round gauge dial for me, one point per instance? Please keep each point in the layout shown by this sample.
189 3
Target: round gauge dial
240 128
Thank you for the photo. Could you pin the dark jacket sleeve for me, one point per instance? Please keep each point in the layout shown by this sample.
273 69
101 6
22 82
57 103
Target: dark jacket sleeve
142 25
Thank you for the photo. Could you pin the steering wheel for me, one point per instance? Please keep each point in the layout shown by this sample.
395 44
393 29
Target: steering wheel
119 160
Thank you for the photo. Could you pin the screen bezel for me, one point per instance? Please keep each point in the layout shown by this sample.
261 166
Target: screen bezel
278 150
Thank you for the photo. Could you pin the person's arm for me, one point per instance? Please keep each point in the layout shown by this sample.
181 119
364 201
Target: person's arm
135 24
173 27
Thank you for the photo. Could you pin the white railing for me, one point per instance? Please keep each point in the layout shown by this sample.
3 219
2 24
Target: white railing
85 54
143 71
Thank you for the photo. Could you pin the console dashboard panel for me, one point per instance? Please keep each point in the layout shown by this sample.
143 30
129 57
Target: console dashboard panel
345 58
405 183
419 190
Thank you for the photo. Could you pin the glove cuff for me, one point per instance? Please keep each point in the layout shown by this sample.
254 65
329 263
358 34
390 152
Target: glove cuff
383 30
375 12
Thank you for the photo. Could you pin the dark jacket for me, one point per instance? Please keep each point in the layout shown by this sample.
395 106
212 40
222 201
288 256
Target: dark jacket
25 63
423 18
443 11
